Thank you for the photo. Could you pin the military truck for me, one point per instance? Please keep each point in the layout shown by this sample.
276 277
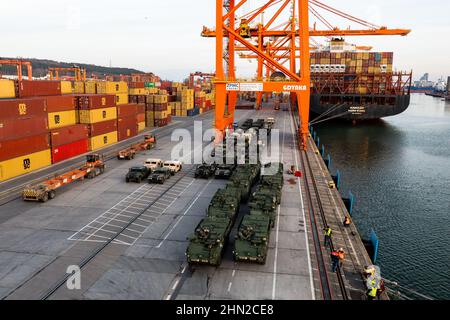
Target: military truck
205 171
207 245
252 241
224 171
137 174
159 175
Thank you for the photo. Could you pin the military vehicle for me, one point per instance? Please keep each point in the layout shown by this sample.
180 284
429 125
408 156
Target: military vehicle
159 175
224 171
252 241
247 124
225 203
207 245
244 177
137 174
205 171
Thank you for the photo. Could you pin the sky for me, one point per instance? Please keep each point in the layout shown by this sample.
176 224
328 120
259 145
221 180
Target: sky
164 36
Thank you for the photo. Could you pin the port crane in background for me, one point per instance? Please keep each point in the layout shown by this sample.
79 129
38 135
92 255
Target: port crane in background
19 64
204 76
289 43
79 73
234 30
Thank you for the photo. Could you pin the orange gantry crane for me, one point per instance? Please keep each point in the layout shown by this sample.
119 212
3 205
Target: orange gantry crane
274 45
297 73
79 73
203 75
19 64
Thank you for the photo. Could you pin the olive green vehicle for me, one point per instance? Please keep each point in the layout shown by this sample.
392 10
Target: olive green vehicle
244 178
207 245
252 241
225 203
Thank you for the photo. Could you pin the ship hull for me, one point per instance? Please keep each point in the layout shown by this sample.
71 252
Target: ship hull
358 107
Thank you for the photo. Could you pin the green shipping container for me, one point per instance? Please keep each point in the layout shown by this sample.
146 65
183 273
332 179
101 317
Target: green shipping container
149 85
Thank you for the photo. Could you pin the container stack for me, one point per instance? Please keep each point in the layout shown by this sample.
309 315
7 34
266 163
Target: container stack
99 113
157 111
357 72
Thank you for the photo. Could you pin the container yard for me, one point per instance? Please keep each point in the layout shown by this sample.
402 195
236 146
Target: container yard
225 186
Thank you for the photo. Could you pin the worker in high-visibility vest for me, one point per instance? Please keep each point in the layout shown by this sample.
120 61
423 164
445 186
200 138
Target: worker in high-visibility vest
372 293
327 234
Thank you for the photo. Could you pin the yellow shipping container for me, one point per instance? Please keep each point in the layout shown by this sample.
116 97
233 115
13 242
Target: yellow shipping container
25 164
138 91
62 119
141 126
121 98
7 89
160 98
109 87
78 87
160 115
66 87
90 87
102 141
97 115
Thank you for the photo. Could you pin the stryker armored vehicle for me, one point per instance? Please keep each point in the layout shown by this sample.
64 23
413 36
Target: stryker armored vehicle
205 171
224 171
225 203
252 240
207 245
137 174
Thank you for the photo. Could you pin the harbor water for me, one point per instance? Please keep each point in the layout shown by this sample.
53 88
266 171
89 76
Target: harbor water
399 170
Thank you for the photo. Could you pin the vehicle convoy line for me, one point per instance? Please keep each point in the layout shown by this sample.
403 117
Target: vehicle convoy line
102 247
327 288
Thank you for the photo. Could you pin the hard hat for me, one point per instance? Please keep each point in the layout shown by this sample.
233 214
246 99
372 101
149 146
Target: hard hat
341 250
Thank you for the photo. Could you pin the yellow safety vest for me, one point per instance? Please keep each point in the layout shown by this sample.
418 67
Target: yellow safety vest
328 232
373 292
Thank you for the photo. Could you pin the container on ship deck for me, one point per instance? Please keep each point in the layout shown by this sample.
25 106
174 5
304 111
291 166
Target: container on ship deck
67 135
11 149
136 85
24 164
70 150
126 110
78 87
91 102
60 103
66 87
62 119
17 128
97 115
100 128
111 87
102 141
22 108
37 88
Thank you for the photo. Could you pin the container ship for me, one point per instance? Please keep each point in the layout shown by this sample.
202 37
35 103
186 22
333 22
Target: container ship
352 84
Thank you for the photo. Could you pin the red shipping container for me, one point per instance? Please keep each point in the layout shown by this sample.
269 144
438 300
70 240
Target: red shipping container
15 148
23 127
95 101
136 85
127 128
38 88
60 103
126 110
140 117
22 108
141 108
160 106
67 135
71 150
104 127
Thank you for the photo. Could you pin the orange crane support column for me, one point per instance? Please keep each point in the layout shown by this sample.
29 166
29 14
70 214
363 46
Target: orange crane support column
221 92
232 96
305 72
